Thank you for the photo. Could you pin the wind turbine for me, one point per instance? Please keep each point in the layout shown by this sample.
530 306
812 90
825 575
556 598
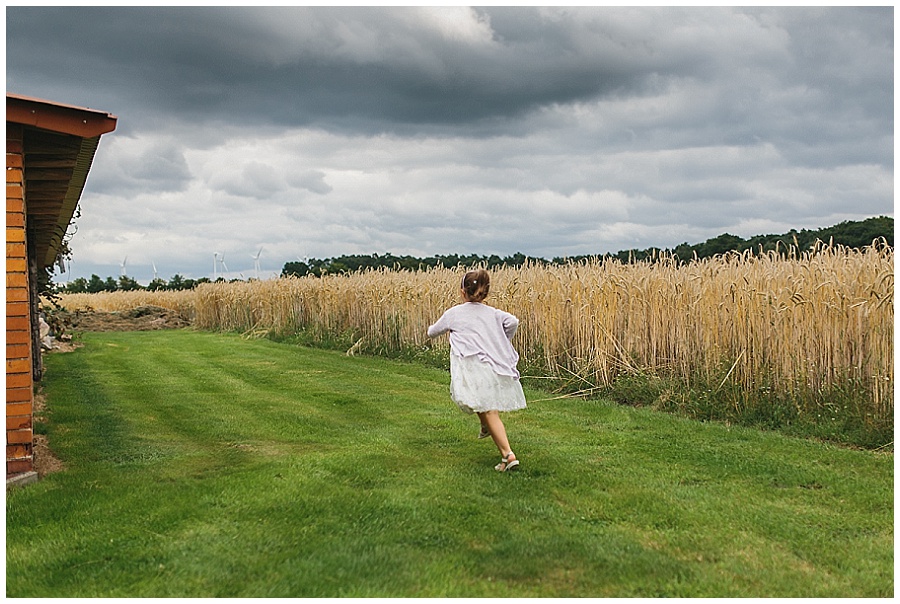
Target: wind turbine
123 266
256 262
224 266
215 266
155 274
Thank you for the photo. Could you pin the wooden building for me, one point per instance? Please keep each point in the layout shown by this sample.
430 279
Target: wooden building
49 151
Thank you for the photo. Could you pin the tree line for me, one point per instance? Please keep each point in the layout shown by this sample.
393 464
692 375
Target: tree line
96 284
853 234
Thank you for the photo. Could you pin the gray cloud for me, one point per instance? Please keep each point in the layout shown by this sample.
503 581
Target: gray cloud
311 180
554 131
159 166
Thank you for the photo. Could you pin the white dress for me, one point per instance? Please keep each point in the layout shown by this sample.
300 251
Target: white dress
475 387
483 374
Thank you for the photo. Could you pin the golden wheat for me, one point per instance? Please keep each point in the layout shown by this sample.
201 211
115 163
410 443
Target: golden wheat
799 325
181 301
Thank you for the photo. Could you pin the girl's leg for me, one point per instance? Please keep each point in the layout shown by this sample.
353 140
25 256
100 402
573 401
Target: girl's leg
485 428
498 431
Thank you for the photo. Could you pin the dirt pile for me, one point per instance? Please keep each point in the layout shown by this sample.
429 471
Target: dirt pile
140 318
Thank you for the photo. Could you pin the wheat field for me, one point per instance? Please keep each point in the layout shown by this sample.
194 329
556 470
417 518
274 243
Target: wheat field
800 326
181 301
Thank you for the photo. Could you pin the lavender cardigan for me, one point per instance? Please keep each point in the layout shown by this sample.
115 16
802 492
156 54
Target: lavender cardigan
480 330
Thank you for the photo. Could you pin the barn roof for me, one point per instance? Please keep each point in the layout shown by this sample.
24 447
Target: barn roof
59 142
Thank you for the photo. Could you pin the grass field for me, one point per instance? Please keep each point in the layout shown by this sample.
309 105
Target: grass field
201 464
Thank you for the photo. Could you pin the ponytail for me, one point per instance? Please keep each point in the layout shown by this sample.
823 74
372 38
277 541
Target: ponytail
476 285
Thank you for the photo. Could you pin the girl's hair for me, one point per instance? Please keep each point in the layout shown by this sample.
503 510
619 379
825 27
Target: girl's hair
476 285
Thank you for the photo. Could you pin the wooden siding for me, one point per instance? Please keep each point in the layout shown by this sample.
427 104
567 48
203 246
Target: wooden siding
19 361
49 150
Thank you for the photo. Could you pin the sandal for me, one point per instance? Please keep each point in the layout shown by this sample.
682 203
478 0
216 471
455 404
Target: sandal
506 465
484 432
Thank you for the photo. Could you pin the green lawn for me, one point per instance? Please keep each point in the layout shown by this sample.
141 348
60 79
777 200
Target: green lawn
204 464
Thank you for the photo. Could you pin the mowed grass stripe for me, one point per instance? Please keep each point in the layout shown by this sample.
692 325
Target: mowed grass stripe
204 464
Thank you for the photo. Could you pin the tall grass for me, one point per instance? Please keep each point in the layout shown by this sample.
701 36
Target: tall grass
805 337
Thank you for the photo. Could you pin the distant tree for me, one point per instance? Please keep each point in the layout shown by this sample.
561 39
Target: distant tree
860 234
719 245
684 252
295 269
77 286
176 282
126 284
517 259
95 284
156 285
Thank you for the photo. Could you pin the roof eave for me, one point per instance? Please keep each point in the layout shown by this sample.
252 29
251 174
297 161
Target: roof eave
56 117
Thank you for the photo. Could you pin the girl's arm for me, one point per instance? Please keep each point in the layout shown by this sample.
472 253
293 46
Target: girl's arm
442 326
510 324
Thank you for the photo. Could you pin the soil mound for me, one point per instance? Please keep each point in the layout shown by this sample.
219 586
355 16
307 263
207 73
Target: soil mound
140 318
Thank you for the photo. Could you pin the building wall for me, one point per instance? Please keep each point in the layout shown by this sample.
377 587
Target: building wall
19 360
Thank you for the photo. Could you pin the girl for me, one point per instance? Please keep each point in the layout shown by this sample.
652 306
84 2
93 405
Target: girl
483 374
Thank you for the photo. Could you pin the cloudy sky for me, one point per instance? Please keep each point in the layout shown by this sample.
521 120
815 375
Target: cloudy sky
317 132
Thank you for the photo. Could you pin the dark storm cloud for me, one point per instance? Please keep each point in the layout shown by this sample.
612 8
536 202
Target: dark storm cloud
212 62
379 69
374 67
